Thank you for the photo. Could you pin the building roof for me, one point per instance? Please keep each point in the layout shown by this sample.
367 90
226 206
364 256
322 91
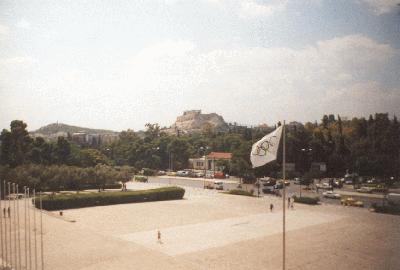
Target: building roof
220 155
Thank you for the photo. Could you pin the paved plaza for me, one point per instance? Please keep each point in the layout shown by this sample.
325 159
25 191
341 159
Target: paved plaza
210 230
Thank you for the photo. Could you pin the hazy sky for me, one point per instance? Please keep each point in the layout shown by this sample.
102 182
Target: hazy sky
121 64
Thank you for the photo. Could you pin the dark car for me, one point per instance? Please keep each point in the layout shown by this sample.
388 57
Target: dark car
248 178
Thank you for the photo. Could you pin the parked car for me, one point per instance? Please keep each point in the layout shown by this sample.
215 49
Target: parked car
248 178
393 198
365 190
297 181
183 173
209 186
331 194
209 174
199 174
170 173
323 186
351 202
279 185
219 175
219 185
336 183
161 173
268 189
267 182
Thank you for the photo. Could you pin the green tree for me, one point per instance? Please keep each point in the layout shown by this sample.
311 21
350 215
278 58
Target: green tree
15 144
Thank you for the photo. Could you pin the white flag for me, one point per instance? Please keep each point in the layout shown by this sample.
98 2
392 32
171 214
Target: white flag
266 149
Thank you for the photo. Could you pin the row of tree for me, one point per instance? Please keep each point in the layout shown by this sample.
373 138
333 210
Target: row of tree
63 177
370 147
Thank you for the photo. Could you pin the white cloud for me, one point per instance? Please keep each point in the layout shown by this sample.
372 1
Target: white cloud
4 30
17 61
272 83
249 85
253 8
380 7
245 8
24 24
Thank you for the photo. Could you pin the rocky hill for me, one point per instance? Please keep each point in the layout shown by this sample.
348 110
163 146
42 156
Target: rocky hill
63 128
194 121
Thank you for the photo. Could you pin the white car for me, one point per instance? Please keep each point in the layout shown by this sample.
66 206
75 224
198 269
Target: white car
182 173
331 194
219 185
364 190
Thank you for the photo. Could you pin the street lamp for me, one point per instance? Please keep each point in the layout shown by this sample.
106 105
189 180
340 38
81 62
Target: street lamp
304 150
205 163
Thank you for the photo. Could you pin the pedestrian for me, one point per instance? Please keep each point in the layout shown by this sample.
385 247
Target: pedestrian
9 212
271 207
292 205
4 212
159 236
288 200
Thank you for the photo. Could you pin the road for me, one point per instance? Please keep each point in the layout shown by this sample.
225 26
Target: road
292 189
192 182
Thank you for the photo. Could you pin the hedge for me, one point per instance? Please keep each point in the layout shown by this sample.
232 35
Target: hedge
78 200
393 209
239 192
141 178
306 200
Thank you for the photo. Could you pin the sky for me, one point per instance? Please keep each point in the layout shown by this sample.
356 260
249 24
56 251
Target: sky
122 64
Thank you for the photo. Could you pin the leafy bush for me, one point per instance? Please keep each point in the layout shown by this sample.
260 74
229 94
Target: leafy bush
239 192
69 201
141 178
56 178
149 172
306 200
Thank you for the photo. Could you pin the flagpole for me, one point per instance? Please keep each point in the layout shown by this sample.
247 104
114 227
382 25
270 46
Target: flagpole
19 234
34 227
15 225
5 224
41 230
1 228
284 198
29 233
9 217
26 231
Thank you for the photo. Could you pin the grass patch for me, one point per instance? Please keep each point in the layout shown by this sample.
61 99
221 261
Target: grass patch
239 192
306 200
69 201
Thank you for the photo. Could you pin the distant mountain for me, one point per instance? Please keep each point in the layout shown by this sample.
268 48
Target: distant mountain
63 128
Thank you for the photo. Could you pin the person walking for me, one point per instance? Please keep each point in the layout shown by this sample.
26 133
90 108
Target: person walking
9 212
288 200
159 236
271 207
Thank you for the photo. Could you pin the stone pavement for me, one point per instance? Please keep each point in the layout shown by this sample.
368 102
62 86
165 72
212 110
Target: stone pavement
209 230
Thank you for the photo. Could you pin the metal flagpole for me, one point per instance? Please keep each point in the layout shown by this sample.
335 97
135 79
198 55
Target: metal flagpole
284 198
15 225
34 226
26 231
1 228
29 233
9 218
5 224
41 230
19 234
